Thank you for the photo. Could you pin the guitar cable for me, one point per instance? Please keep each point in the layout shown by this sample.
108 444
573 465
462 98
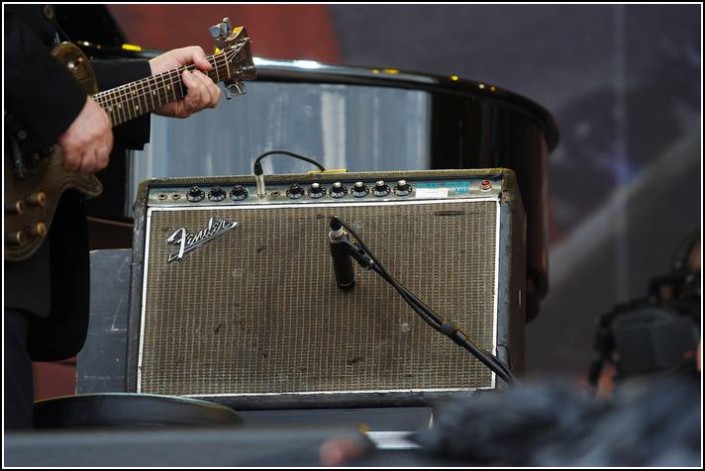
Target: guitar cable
259 173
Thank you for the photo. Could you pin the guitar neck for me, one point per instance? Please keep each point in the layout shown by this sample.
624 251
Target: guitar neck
135 99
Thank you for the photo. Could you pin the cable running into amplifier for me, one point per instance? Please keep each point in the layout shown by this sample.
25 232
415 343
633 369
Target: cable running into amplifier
259 173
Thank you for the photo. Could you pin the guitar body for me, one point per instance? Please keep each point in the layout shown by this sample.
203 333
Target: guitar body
34 181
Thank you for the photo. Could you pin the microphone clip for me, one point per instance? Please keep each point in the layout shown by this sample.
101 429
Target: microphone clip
343 251
360 255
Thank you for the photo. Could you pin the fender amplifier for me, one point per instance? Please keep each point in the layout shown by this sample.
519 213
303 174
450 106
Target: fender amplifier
234 297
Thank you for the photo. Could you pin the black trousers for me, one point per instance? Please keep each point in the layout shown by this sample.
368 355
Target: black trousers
18 393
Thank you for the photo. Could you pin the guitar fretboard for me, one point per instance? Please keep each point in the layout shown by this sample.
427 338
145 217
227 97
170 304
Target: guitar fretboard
134 99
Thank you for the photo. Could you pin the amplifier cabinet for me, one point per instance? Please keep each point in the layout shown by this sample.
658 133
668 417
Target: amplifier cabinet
234 298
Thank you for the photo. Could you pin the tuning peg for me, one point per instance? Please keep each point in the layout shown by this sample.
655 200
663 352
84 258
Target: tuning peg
215 31
221 30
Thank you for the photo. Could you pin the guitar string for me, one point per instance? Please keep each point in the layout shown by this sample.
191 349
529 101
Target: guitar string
169 75
164 81
174 73
173 78
168 80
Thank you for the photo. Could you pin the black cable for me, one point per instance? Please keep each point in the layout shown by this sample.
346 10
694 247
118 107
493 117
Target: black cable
427 314
259 173
257 167
452 331
447 328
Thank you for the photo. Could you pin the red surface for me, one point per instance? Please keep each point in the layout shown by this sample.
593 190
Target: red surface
54 379
276 31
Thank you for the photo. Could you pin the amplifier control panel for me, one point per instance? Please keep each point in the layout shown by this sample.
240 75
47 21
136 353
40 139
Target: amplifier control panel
208 193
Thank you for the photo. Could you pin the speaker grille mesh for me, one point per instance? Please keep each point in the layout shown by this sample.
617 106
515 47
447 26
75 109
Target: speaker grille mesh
257 310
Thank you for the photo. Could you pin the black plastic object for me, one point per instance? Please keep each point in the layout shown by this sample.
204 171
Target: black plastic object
125 410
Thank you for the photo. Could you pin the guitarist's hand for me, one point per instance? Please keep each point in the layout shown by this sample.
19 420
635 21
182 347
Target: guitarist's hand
87 143
201 93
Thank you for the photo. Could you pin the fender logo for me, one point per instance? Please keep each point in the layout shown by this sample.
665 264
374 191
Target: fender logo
189 242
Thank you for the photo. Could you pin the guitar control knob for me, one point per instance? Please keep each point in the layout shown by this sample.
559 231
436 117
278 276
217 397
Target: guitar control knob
38 230
216 194
380 189
238 193
338 190
16 207
360 190
402 188
295 191
14 239
37 199
195 194
316 191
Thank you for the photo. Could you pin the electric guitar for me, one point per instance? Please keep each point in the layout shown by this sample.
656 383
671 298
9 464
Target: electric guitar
35 180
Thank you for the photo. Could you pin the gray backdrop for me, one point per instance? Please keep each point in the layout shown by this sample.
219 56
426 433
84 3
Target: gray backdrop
624 85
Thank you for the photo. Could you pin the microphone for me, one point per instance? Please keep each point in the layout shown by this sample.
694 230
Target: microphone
340 250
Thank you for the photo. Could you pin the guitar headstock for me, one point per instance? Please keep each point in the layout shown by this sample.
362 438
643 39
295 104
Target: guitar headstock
234 45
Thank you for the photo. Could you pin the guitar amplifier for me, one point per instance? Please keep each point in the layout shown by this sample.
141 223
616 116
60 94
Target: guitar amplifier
234 297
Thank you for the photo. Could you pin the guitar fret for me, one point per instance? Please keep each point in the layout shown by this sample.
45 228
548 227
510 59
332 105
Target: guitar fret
172 85
139 96
129 91
129 95
120 104
134 101
215 66
151 91
143 89
113 111
116 106
123 105
227 68
116 111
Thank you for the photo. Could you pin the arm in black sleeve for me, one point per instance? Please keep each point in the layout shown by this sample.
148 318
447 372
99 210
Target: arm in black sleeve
38 90
112 73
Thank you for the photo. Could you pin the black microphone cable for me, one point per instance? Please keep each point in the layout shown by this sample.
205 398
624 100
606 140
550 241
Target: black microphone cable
366 259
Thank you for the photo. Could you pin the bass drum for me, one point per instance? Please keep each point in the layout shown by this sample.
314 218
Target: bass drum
367 119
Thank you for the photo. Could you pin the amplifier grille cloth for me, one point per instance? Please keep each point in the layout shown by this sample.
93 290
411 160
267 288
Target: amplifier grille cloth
257 310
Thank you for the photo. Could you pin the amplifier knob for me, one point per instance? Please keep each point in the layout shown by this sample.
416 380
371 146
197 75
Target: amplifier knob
403 188
380 189
238 193
295 191
360 190
216 194
338 190
195 194
316 191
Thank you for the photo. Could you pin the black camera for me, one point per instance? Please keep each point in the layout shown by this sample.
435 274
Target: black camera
655 334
